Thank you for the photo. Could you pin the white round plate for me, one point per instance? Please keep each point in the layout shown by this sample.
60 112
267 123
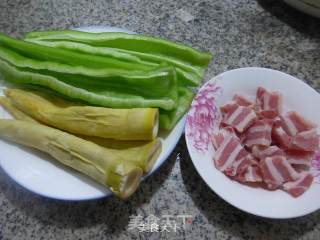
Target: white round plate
204 116
311 7
41 174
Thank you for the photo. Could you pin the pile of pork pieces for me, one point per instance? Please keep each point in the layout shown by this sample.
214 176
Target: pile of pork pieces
258 143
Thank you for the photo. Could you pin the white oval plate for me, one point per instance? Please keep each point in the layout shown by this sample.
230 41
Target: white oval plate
204 117
41 174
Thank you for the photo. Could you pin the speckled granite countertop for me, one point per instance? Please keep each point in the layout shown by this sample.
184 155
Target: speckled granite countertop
239 33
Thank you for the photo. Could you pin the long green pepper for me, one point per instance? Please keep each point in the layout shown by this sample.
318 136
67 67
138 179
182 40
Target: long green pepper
134 42
190 64
93 95
116 70
44 53
168 119
156 83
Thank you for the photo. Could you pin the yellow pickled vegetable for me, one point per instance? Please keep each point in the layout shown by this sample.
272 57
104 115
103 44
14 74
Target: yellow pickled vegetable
15 112
141 153
120 124
120 176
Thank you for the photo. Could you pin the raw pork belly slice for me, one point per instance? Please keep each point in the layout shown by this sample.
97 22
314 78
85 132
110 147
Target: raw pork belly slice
280 137
293 123
259 133
302 140
257 143
262 152
269 103
231 157
296 157
254 161
306 141
298 187
252 174
242 100
238 100
229 107
227 152
276 171
218 137
240 164
240 118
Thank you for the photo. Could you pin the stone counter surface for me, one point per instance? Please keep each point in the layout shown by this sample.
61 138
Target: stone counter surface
239 33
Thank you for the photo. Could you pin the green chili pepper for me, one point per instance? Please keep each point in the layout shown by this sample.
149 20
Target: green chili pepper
135 42
189 62
115 70
156 83
45 53
187 74
94 96
168 119
100 51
